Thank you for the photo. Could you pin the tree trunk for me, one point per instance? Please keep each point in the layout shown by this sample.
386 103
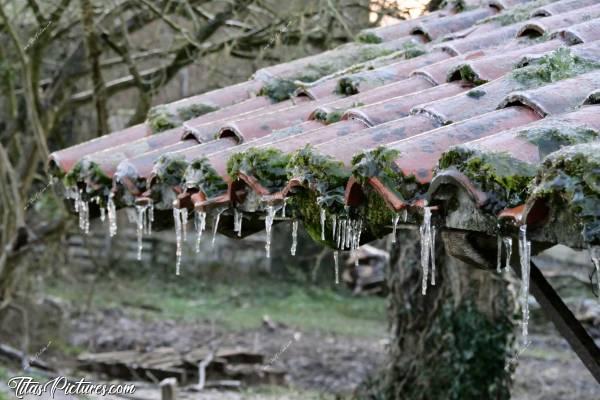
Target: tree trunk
453 342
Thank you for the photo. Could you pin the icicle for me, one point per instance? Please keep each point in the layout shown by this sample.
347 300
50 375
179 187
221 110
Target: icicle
322 223
405 214
334 226
425 231
237 221
216 226
338 240
525 258
112 216
294 237
102 214
200 220
344 233
360 224
508 250
283 207
595 255
268 226
395 220
141 216
184 221
432 256
336 261
499 254
149 218
84 216
348 234
178 251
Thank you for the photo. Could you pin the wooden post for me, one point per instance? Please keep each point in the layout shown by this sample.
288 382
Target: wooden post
168 389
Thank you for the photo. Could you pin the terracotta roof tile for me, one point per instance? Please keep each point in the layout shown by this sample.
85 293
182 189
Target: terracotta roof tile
495 85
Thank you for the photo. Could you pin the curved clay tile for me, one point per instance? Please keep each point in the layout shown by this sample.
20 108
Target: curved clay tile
560 7
62 161
396 31
479 100
505 4
512 154
366 80
493 38
488 68
567 210
541 26
135 174
399 107
418 155
383 134
318 91
558 97
433 29
584 32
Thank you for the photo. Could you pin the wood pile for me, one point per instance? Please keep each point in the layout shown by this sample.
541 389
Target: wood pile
233 367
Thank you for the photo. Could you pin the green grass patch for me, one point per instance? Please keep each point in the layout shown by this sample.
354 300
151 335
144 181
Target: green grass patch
242 305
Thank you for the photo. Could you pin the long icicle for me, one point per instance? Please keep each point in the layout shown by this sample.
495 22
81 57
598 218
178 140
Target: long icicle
216 226
294 237
508 249
184 220
112 215
178 250
432 256
499 254
333 226
141 216
525 258
322 217
200 219
336 261
425 231
395 220
268 226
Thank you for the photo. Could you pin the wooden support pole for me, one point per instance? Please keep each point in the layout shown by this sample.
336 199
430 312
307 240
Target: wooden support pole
563 319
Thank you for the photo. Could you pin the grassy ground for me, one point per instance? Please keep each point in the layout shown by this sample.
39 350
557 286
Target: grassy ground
240 305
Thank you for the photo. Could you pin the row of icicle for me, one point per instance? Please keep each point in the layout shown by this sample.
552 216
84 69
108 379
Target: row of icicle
346 233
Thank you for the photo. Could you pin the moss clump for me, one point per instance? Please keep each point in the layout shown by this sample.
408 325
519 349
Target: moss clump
467 74
412 50
570 179
278 89
161 119
348 85
377 214
202 176
380 163
593 98
305 203
323 174
558 65
266 165
515 14
474 365
334 115
476 93
90 173
169 169
554 135
368 36
503 177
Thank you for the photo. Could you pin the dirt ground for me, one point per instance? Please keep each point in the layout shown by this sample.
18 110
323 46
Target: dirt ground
320 365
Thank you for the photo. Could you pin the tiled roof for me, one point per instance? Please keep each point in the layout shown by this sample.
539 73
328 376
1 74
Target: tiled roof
488 116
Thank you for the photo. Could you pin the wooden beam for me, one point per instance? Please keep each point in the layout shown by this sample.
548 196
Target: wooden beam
563 319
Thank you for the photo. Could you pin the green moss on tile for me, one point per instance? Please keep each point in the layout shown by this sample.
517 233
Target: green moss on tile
558 65
518 13
160 118
170 168
335 114
90 173
502 176
570 179
202 176
305 204
412 50
267 165
476 93
467 74
368 36
556 134
326 176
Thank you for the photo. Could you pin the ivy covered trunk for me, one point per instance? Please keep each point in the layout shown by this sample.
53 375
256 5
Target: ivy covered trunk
452 343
